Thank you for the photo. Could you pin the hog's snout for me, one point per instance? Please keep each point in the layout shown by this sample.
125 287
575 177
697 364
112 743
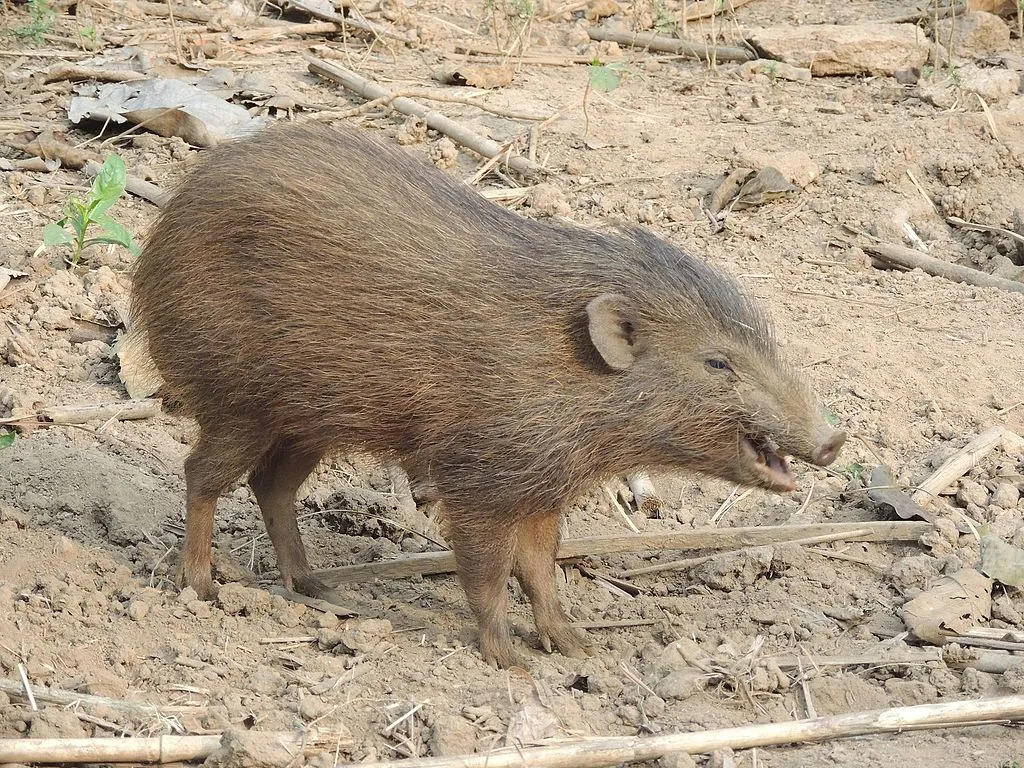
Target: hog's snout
827 447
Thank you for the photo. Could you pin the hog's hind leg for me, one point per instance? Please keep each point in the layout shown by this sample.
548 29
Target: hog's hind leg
275 483
217 460
537 540
484 550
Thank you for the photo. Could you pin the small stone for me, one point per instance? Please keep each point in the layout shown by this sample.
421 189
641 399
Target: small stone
364 636
907 75
843 49
326 621
236 599
992 84
971 492
677 760
600 9
973 33
681 684
549 200
199 608
1004 610
1006 495
137 610
654 706
909 692
452 735
832 108
187 595
313 708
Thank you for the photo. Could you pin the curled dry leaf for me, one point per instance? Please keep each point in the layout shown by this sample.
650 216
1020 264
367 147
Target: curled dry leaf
167 108
1001 561
959 602
882 490
478 75
744 188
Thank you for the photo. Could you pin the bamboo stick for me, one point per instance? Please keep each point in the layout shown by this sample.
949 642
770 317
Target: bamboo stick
606 751
160 749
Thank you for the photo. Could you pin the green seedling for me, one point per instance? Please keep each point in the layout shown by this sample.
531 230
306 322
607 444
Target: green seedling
6 439
601 78
605 77
853 470
40 23
80 215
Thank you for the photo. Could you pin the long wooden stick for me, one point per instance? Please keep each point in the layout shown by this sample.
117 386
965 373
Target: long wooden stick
701 538
125 410
600 752
370 90
905 257
663 44
66 698
160 749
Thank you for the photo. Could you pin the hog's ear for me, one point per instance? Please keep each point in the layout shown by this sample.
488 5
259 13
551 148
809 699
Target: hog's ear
611 329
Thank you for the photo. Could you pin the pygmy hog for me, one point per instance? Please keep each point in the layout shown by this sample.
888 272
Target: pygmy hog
313 290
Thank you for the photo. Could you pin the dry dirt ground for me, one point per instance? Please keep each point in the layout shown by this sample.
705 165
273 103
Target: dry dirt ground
913 365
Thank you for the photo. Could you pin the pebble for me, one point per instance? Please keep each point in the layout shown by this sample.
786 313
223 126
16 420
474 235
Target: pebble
1006 495
677 760
971 492
681 684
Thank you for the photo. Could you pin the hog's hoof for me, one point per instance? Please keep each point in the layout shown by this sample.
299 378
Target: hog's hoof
202 583
569 641
497 649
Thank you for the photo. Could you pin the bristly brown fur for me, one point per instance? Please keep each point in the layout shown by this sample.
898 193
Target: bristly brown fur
312 290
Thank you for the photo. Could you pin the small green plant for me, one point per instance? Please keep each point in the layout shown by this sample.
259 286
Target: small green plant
40 23
664 20
88 34
80 215
605 77
601 78
1011 762
853 470
6 438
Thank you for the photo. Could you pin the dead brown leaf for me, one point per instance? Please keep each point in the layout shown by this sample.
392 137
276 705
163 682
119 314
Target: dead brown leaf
479 75
961 601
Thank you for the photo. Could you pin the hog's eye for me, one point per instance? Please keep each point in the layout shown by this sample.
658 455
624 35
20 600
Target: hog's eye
718 364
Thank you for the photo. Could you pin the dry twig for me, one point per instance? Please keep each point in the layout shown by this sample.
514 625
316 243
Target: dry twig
909 259
706 538
662 44
963 460
368 89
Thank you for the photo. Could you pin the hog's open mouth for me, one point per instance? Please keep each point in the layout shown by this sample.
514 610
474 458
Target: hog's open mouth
764 458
